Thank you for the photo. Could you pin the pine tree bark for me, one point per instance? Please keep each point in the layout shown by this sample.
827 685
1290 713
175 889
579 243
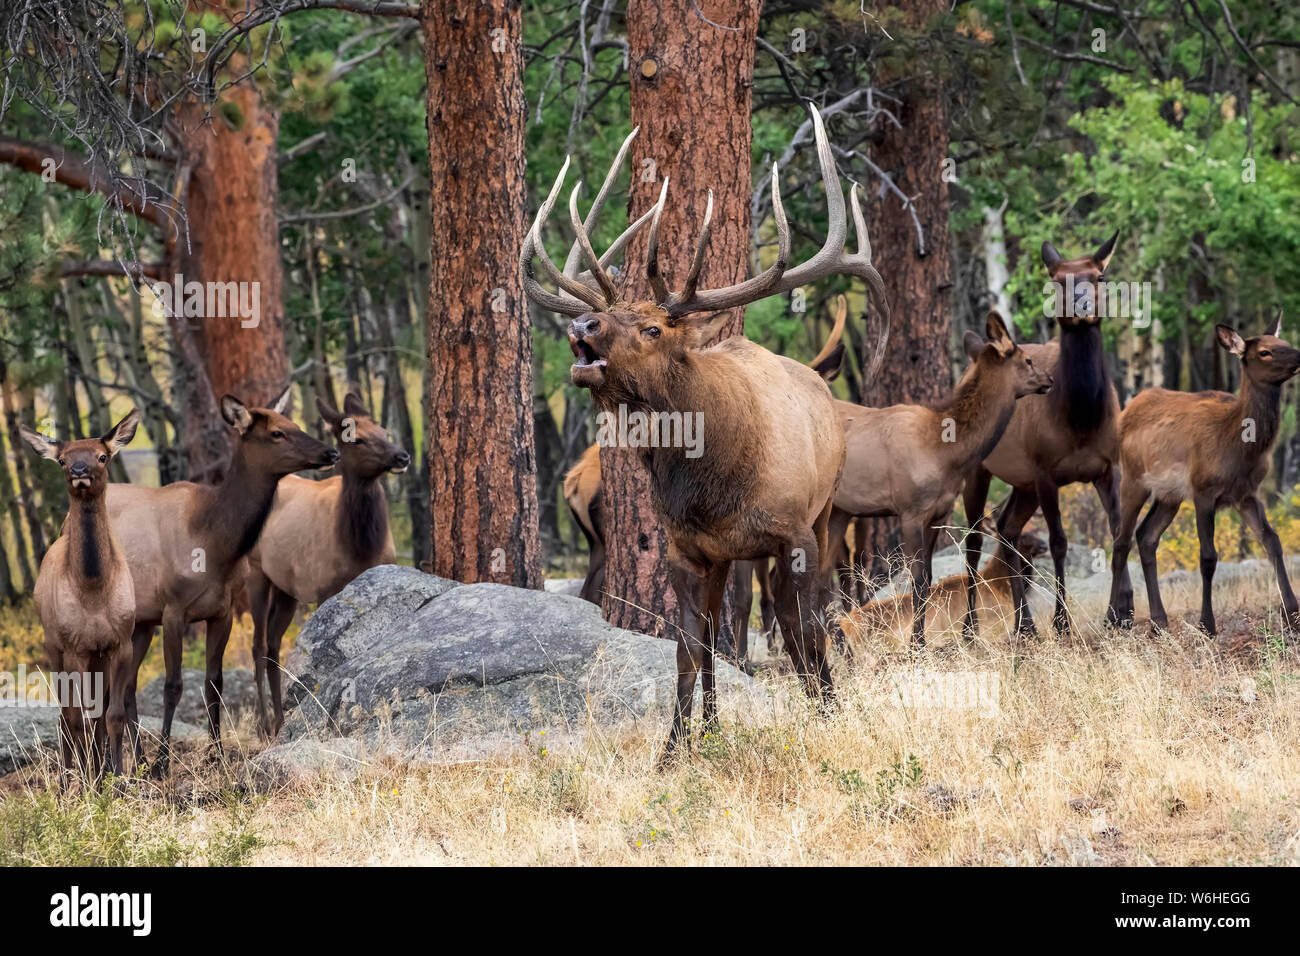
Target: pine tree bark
481 453
691 94
919 285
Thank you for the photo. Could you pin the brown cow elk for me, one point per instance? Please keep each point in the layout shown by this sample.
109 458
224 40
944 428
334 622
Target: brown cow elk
318 537
774 451
1066 436
948 597
1209 447
86 603
911 460
186 543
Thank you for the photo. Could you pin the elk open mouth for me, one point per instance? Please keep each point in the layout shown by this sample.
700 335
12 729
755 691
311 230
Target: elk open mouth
589 369
81 482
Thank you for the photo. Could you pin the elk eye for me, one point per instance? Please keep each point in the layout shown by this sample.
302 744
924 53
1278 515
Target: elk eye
651 332
62 462
103 458
1029 361
1264 353
277 434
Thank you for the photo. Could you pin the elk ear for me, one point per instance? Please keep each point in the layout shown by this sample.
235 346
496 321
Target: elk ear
998 336
1102 256
972 344
235 414
707 328
283 405
1051 258
329 413
352 405
1230 340
120 435
45 447
1277 326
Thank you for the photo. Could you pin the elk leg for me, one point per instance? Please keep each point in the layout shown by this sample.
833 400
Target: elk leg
173 684
217 634
1108 488
141 638
842 560
709 629
797 581
259 594
689 581
283 606
1148 536
742 590
1049 498
594 583
766 606
118 675
861 560
918 540
1120 611
1020 507
1209 561
974 496
1252 512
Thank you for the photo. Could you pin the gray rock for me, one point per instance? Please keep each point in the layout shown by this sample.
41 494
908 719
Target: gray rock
238 696
303 761
25 731
569 586
151 730
468 671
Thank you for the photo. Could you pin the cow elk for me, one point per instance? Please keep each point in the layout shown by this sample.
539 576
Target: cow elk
911 460
86 604
1209 447
318 537
1066 436
185 544
947 602
774 450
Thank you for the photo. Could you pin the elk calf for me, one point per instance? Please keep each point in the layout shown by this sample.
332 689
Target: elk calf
318 537
185 544
1213 448
911 461
775 450
86 601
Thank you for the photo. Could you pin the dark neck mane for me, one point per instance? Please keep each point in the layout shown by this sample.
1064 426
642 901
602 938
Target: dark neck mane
237 510
980 411
90 548
1263 404
1080 396
363 516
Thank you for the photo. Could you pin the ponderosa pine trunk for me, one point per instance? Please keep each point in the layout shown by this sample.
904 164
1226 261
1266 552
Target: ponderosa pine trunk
691 93
919 285
481 453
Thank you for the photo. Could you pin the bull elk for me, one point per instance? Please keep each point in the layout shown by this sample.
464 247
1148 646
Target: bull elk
911 460
318 537
1066 436
1212 448
775 450
185 543
86 601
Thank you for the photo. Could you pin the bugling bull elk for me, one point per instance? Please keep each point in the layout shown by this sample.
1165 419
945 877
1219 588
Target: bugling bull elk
1213 448
774 448
86 602
185 543
318 537
911 461
1066 436
584 494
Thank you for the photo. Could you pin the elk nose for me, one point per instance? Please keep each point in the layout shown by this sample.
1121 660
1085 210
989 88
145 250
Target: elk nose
332 456
583 327
79 469
403 459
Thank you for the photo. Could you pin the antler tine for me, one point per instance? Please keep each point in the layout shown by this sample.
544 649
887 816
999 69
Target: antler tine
697 261
584 242
586 298
657 284
875 284
575 251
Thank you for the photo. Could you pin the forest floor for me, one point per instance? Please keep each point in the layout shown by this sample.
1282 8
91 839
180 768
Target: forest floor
1105 748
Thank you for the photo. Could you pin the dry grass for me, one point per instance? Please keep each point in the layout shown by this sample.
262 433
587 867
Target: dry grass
1108 748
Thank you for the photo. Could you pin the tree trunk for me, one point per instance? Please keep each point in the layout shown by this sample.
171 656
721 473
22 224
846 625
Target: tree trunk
918 285
482 472
9 501
691 90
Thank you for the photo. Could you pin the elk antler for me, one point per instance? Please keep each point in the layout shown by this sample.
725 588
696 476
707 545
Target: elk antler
831 259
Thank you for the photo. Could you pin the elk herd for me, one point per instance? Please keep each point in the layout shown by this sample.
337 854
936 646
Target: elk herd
786 471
